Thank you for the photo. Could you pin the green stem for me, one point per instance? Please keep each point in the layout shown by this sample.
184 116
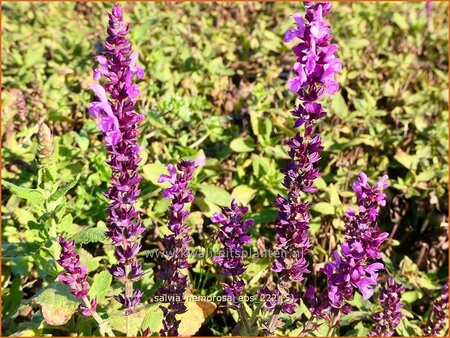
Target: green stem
128 294
274 319
243 316
98 319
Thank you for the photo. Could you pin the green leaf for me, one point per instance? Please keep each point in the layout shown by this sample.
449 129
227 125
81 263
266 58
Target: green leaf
64 190
11 250
192 319
153 320
338 106
87 260
57 304
425 176
216 195
324 208
132 323
358 331
334 195
400 20
152 171
243 194
411 296
242 145
100 286
65 223
93 235
32 195
355 316
265 216
406 160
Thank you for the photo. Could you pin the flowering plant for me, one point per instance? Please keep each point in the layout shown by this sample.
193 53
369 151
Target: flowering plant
112 242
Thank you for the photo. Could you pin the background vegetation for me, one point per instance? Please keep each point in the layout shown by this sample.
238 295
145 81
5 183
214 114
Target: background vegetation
216 83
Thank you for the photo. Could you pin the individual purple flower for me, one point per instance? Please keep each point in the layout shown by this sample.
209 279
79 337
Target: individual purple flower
75 275
233 235
119 124
389 318
314 70
176 245
439 316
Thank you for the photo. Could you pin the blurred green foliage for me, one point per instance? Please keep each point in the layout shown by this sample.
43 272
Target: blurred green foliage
216 83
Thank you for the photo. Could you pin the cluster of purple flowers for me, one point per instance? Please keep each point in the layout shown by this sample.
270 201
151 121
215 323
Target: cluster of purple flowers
316 63
177 243
233 235
439 316
75 275
388 319
355 267
314 71
119 124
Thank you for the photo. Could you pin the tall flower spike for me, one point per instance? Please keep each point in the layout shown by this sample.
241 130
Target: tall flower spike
176 245
233 235
119 123
355 266
314 72
388 319
439 315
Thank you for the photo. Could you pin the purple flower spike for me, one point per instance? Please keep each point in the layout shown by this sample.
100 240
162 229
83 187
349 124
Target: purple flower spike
314 72
354 268
232 235
176 245
439 315
75 275
119 124
388 319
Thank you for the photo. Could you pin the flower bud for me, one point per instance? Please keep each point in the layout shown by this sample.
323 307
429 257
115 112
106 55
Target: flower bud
45 144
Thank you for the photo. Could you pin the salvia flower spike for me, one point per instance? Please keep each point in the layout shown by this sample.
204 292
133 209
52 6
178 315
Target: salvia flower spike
75 275
314 73
119 123
439 315
233 235
176 244
389 318
355 267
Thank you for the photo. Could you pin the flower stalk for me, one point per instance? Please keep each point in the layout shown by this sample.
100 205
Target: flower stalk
119 123
314 72
176 244
233 235
75 278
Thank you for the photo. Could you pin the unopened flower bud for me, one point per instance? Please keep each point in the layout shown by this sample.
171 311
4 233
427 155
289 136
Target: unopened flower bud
45 144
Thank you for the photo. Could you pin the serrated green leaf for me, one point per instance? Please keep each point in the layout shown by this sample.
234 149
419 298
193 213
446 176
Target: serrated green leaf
32 195
132 324
100 286
87 260
93 235
64 190
57 304
153 320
